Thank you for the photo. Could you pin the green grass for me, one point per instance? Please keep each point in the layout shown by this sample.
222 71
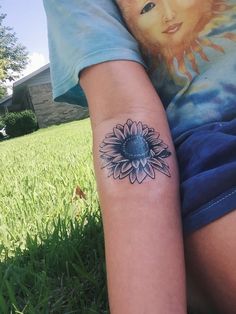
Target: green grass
51 247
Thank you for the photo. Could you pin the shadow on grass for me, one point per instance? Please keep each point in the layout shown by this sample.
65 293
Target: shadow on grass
62 273
65 273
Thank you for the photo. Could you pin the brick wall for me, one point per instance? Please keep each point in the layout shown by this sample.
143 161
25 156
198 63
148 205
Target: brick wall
50 113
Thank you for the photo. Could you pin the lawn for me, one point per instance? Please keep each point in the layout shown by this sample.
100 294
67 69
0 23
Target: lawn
51 242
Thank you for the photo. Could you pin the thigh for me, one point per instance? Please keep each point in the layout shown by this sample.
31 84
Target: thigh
210 254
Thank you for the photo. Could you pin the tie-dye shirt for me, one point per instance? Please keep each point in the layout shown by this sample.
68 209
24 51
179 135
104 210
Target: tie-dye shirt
187 46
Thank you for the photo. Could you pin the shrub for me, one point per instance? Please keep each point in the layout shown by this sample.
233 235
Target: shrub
20 123
2 123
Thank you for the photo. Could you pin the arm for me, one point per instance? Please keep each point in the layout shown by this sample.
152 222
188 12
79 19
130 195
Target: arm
142 228
143 236
143 239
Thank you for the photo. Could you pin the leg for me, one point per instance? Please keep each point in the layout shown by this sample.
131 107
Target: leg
210 260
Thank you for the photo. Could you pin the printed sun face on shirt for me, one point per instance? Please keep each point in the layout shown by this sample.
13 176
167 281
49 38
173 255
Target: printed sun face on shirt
175 30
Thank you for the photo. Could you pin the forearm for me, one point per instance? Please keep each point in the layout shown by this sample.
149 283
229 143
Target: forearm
141 216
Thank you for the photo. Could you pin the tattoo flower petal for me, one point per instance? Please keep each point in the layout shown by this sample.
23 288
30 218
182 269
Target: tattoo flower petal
135 151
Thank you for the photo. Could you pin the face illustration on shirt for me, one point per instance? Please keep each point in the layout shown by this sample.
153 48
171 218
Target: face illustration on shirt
169 22
172 28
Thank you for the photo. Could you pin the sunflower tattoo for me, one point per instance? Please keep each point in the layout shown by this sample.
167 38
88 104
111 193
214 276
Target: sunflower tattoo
135 151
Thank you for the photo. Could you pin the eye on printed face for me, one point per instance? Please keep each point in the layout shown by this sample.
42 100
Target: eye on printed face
167 21
176 31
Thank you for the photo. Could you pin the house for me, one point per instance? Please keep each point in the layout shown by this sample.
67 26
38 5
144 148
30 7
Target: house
5 104
34 92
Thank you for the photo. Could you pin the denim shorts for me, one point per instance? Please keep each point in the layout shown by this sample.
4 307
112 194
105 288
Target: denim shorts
207 163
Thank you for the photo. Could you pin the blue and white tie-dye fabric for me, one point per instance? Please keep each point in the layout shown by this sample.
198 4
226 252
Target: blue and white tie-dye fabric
189 51
82 33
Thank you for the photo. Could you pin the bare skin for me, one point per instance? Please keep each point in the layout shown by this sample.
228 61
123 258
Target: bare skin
142 225
145 264
211 259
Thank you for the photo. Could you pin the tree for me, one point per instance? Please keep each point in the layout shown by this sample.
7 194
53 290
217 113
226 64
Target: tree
13 55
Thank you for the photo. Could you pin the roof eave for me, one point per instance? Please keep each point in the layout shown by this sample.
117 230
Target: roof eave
27 77
5 99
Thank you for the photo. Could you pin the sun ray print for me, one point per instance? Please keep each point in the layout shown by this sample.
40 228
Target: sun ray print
177 31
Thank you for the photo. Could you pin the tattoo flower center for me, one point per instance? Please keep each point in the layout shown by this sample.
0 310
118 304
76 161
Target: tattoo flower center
135 151
135 147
